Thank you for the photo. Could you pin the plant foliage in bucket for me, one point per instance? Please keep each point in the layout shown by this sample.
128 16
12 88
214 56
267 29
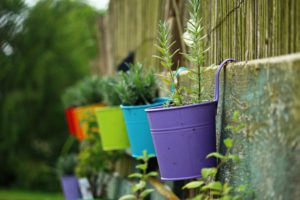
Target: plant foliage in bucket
71 99
66 169
110 119
91 161
184 131
137 89
90 90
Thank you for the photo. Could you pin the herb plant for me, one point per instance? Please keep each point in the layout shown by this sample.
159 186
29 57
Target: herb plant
137 86
91 89
164 46
84 92
72 97
66 165
110 93
208 188
140 190
194 38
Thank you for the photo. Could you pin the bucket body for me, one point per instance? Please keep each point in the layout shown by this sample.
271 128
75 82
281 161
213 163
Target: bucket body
138 127
85 116
113 130
70 187
70 113
183 136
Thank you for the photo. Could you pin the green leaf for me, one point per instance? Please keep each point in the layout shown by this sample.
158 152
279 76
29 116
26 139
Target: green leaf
141 166
146 192
139 186
239 127
213 186
215 192
228 142
193 184
128 197
135 175
229 127
226 188
241 188
215 154
233 157
151 155
152 174
209 172
198 197
235 116
145 154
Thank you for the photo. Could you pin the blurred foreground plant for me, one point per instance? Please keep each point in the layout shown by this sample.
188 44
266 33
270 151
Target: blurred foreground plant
66 165
140 190
208 188
92 159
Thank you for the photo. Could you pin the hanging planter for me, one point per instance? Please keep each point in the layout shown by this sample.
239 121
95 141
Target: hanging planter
138 127
184 135
70 117
70 187
113 130
84 116
65 168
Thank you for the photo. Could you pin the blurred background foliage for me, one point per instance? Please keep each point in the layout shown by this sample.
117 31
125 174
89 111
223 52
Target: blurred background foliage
43 50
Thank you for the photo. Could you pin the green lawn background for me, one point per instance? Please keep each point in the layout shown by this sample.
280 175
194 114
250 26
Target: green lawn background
28 195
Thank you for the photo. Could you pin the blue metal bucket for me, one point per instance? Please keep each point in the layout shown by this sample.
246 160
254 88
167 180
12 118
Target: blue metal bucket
138 129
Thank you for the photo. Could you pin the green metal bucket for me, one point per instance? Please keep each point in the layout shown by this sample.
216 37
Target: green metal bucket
112 128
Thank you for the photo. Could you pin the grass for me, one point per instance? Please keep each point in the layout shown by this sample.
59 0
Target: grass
28 195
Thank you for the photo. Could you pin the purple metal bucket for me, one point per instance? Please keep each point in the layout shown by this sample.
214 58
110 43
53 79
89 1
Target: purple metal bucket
70 187
184 135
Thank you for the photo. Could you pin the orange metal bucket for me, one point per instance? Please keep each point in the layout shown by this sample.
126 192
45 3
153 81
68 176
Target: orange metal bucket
86 122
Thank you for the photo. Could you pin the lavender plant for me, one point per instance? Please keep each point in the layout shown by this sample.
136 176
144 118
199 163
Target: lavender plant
194 37
111 96
137 86
164 45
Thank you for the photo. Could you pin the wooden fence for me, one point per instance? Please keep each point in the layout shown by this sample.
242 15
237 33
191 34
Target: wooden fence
251 29
265 91
243 29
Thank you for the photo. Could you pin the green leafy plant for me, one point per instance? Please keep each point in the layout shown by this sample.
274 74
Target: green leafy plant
195 40
86 91
137 86
92 159
72 97
164 45
110 93
208 188
140 190
91 89
65 165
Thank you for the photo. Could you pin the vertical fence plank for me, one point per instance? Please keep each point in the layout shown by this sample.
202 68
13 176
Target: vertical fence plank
263 28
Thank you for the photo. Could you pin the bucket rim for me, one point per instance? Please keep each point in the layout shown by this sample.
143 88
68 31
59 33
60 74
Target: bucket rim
92 106
157 102
108 108
162 109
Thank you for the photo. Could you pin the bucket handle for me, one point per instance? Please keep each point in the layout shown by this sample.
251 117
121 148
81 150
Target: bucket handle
216 99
